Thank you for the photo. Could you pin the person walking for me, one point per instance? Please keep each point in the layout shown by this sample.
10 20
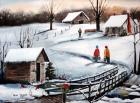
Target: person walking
106 55
96 54
80 32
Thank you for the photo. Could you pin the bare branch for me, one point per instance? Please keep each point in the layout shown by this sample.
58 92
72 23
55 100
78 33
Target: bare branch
93 6
98 9
26 37
102 7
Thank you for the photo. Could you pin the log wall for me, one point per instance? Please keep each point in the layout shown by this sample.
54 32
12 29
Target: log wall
17 71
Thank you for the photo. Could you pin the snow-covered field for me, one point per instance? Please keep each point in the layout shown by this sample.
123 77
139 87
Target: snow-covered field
67 53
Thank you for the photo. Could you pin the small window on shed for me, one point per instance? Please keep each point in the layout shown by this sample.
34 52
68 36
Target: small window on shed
81 14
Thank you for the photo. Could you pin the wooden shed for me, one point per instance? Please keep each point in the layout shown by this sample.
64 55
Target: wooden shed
76 18
26 65
120 25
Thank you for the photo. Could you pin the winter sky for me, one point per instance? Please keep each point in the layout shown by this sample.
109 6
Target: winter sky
36 5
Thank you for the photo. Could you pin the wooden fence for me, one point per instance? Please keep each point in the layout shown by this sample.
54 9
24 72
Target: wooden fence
109 84
102 76
94 87
103 86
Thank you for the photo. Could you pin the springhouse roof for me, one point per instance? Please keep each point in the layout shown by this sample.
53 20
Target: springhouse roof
23 54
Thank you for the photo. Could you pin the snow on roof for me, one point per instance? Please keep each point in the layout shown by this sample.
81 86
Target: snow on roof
116 21
23 55
71 16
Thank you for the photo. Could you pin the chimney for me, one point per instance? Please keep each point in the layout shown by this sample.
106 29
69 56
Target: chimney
129 24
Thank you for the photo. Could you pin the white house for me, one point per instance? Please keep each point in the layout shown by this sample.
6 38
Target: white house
120 25
76 18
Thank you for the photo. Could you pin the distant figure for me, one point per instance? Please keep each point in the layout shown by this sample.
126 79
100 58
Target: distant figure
106 55
96 54
80 32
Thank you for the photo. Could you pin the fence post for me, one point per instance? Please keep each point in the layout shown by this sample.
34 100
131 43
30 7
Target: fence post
65 89
89 95
64 97
89 86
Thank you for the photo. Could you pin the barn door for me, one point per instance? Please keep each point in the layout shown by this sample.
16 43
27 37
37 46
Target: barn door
38 72
81 22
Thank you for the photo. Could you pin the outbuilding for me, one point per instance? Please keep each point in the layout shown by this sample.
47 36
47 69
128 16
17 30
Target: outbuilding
76 18
26 65
120 25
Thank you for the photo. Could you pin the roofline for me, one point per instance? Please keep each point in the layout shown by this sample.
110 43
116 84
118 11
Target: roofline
86 15
47 59
76 16
122 23
42 49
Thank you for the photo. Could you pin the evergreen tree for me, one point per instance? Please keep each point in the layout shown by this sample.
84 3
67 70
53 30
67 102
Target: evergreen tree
50 71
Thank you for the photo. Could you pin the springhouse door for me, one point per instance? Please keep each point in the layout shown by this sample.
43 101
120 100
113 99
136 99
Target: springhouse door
38 72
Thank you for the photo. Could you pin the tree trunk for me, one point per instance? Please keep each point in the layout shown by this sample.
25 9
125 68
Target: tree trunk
98 23
2 72
135 59
51 23
97 17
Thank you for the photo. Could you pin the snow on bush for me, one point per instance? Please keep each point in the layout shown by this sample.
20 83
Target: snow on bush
134 94
127 101
115 100
129 89
105 99
138 89
38 92
134 86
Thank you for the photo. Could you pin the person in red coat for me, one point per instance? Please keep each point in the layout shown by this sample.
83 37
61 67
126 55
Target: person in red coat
96 54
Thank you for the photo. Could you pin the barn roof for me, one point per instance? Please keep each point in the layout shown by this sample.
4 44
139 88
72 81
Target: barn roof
116 21
24 54
71 16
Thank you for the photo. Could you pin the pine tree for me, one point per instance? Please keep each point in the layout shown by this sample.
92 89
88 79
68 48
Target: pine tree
50 71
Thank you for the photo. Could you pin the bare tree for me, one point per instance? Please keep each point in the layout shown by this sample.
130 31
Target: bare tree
135 53
98 8
26 37
133 13
51 7
51 14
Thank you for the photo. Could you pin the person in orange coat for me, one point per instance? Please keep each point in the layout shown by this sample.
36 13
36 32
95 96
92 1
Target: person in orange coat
96 54
106 55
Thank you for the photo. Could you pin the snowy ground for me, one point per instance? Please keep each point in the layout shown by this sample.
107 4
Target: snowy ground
15 92
67 53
